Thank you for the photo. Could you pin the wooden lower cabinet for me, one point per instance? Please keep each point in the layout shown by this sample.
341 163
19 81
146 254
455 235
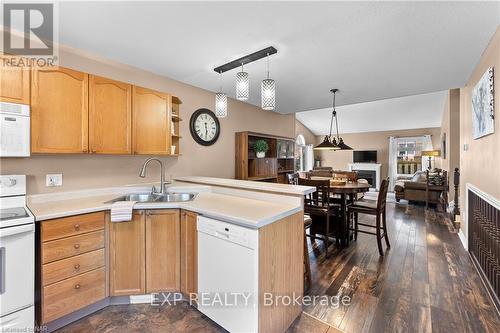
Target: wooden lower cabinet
189 253
145 253
126 256
72 265
162 250
69 295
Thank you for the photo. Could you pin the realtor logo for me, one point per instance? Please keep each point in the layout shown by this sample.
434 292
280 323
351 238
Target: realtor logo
29 32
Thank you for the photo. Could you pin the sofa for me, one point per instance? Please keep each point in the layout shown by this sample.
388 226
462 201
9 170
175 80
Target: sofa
414 188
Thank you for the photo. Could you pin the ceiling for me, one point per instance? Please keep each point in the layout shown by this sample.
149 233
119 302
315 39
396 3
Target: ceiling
418 111
370 50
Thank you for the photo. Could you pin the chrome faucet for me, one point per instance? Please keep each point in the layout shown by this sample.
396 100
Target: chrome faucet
142 174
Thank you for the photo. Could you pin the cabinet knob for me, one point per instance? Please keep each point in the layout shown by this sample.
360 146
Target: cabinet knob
77 286
77 266
77 246
77 226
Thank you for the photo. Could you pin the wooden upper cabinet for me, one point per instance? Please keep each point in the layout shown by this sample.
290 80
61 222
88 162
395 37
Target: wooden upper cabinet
59 111
110 116
14 83
126 256
163 250
152 113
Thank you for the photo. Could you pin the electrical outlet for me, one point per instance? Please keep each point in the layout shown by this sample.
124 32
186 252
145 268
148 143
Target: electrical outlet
53 180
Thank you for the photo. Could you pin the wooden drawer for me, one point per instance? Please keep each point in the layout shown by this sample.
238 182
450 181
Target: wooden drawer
66 268
72 294
71 226
72 246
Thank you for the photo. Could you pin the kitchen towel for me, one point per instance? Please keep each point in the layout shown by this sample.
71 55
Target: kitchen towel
121 211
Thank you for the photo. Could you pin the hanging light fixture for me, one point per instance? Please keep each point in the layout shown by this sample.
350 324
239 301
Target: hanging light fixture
329 143
268 91
220 102
340 143
242 85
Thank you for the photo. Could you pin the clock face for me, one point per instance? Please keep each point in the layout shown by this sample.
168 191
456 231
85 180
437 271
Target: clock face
205 127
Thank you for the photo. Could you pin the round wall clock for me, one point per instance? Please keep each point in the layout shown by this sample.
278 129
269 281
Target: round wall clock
204 127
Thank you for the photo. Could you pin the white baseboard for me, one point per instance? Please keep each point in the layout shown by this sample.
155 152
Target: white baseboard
463 239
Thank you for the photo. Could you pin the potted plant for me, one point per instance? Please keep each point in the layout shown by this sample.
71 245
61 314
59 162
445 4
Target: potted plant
260 148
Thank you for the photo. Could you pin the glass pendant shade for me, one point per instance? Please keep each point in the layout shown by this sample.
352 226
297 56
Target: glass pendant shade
242 86
268 94
220 105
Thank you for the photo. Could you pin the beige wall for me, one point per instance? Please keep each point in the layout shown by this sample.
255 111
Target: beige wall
450 126
378 141
480 164
86 171
308 135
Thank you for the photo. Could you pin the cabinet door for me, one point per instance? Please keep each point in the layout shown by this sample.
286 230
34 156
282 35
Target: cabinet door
126 261
162 250
151 125
59 111
189 253
14 82
110 116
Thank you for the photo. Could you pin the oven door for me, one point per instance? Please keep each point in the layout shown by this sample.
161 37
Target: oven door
17 268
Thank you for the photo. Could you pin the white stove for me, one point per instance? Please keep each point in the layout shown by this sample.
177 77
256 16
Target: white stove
17 257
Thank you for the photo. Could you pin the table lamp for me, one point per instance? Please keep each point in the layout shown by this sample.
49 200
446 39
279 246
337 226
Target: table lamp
430 154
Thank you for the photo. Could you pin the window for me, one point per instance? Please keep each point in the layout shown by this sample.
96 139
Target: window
304 154
409 155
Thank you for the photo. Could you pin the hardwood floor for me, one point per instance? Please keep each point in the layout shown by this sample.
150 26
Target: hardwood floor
425 283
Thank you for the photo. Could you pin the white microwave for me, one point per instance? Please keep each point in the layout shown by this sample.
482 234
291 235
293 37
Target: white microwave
14 130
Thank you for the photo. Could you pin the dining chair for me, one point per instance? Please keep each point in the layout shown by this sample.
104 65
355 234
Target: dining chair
293 178
322 212
373 208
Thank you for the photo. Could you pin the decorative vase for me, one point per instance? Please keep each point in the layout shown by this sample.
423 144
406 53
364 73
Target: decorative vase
261 154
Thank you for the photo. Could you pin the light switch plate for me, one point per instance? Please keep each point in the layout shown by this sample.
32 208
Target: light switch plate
53 180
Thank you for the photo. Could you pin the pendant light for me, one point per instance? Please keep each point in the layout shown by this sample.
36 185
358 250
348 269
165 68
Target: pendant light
328 143
335 143
220 102
268 91
242 85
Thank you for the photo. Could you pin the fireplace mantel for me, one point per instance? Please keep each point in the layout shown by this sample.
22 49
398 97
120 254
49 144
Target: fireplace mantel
368 167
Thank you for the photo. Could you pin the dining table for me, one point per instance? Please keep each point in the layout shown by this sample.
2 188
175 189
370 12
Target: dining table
347 193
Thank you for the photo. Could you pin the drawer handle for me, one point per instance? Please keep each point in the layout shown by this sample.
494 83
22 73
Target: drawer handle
77 246
77 266
77 286
77 227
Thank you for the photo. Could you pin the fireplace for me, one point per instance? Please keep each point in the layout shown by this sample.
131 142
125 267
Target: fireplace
483 225
369 175
368 171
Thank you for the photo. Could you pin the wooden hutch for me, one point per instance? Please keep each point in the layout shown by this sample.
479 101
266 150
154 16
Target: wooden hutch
278 162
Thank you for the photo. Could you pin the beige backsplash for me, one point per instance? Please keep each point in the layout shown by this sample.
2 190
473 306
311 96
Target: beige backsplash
89 171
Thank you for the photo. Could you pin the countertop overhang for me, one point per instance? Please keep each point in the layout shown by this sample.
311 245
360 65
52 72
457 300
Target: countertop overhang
247 212
294 190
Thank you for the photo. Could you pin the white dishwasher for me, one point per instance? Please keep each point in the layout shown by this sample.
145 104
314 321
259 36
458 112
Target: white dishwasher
228 274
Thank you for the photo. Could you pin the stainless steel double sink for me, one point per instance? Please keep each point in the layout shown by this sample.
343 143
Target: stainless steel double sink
151 197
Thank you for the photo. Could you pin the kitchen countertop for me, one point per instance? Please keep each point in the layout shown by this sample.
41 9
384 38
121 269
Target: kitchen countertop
295 190
238 210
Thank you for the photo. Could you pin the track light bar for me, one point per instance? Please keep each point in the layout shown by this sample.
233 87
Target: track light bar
246 59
